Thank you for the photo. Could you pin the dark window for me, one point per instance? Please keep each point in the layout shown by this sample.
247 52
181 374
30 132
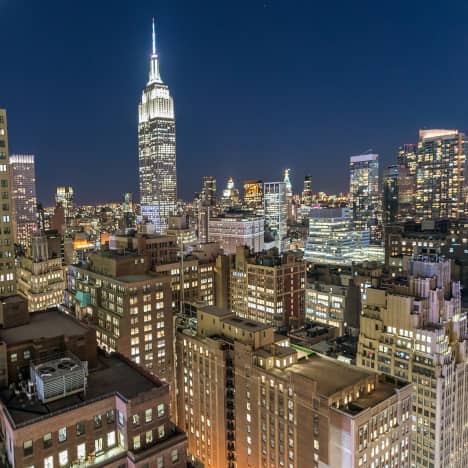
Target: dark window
97 421
80 428
110 416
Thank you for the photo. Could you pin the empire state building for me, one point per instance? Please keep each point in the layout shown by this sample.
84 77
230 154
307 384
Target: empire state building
157 148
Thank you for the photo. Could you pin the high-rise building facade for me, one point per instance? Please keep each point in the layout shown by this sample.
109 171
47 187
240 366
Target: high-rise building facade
40 275
447 237
276 211
440 174
127 211
407 156
230 196
364 193
130 308
390 194
407 165
333 305
332 239
208 193
237 229
406 193
23 194
64 196
269 288
253 196
307 191
415 330
7 247
157 148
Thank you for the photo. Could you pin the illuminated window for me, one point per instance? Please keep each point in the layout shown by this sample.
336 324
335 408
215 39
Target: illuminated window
63 458
81 451
161 410
148 415
111 439
149 437
98 445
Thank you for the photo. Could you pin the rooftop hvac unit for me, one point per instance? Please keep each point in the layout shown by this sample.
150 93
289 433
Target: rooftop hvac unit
59 378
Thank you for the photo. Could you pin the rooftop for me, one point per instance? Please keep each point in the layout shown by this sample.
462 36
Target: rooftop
115 254
436 133
137 278
46 324
331 376
216 311
246 324
113 374
368 400
275 351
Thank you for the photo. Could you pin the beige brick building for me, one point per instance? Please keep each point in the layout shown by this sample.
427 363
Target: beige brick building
248 399
40 275
130 308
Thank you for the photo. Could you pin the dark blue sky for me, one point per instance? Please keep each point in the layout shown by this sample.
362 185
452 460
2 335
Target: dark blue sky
258 85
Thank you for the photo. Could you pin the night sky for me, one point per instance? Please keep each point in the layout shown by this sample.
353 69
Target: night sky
258 85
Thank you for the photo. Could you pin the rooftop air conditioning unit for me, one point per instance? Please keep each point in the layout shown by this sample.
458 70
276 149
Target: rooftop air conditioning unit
59 378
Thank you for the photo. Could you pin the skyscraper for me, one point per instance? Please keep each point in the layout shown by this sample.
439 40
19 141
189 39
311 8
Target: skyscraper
289 193
407 156
287 182
276 211
208 194
307 191
23 194
127 209
440 174
157 148
253 196
230 196
7 267
64 196
364 193
390 194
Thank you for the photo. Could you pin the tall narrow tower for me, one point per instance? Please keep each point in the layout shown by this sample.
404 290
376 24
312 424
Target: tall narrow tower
7 248
364 194
157 148
23 194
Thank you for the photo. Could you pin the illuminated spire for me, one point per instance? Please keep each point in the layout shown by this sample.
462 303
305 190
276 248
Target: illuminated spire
154 40
154 66
287 182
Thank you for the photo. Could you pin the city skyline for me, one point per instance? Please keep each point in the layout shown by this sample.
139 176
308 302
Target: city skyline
345 96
